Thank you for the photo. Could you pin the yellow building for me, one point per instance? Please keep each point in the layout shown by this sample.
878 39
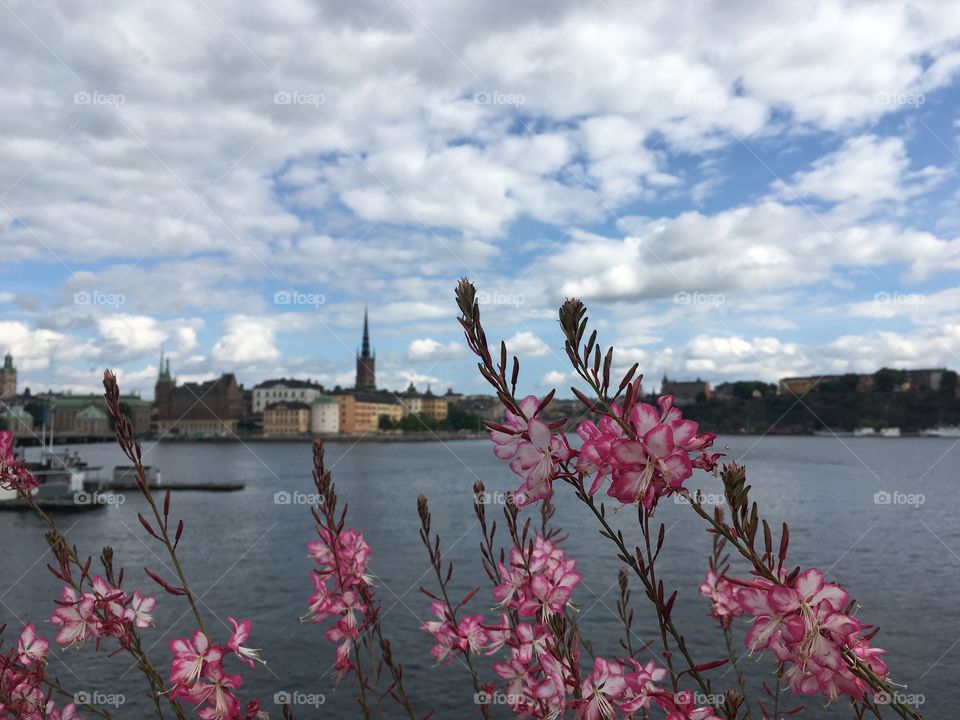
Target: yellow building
424 404
361 412
286 418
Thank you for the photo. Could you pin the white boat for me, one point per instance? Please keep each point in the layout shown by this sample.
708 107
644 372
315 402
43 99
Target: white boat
865 432
890 432
947 431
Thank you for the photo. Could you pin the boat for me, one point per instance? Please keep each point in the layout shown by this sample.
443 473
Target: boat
62 479
890 432
947 431
865 432
126 476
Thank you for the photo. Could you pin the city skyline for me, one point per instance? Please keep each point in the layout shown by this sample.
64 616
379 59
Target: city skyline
723 217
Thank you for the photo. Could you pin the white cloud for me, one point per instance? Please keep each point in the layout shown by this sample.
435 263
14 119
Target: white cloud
554 378
526 344
746 249
246 339
866 169
430 350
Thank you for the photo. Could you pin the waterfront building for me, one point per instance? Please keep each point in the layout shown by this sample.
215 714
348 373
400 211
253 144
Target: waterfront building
86 415
286 418
360 412
425 404
284 390
324 415
686 392
213 407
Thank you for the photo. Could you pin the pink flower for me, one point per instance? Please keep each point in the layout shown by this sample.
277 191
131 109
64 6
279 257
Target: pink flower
30 647
77 622
533 448
443 631
805 626
722 594
601 690
192 658
140 609
13 473
539 582
654 460
240 634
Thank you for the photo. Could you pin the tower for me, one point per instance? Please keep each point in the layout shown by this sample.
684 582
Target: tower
163 391
8 378
366 361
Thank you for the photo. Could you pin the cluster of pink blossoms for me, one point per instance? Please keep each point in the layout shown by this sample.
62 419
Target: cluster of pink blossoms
470 635
630 687
538 581
533 448
23 690
13 473
722 594
338 582
198 677
806 625
540 686
102 612
653 460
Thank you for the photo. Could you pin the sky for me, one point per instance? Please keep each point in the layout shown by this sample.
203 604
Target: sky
737 190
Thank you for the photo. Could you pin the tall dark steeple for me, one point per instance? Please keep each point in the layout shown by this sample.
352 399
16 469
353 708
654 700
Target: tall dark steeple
365 352
366 360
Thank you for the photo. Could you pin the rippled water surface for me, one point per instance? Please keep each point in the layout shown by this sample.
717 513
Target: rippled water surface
245 557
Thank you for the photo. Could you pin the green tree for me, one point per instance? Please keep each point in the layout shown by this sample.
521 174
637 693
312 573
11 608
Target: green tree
887 379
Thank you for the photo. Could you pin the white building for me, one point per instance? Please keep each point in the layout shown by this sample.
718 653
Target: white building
324 415
284 390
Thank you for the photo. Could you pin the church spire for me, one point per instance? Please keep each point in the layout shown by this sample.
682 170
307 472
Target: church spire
366 360
365 349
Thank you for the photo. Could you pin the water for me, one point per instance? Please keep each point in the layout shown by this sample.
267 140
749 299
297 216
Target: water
244 555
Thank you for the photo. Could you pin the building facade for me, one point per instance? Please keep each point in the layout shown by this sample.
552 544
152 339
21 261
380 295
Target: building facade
87 416
17 420
685 392
325 416
8 378
284 390
286 419
214 407
366 362
361 412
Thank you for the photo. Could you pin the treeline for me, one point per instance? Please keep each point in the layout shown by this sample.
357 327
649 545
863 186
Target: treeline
835 405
